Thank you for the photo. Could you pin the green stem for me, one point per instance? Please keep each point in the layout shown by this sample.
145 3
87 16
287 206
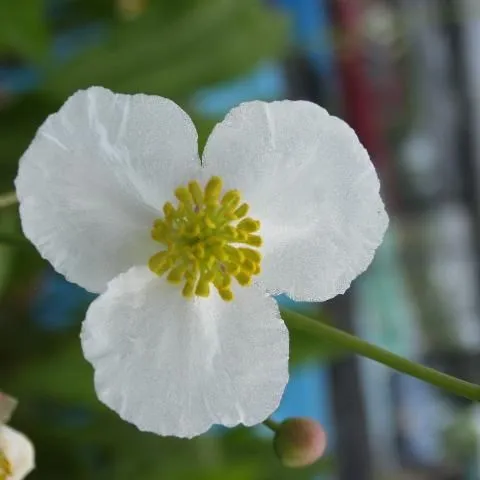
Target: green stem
356 345
8 199
271 424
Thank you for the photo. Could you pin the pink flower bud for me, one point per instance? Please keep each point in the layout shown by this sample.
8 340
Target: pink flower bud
299 442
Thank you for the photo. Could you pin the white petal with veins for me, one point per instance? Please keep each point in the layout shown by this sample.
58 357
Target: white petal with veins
312 184
176 367
96 176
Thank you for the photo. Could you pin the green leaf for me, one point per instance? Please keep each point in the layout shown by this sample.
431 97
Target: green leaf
63 375
215 40
18 124
23 28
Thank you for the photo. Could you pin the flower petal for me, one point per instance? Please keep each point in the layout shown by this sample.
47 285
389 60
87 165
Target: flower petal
312 184
174 366
95 176
19 452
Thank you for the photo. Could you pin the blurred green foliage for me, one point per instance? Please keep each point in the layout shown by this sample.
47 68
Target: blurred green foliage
172 49
23 29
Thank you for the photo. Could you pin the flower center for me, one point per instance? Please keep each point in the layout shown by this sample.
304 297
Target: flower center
208 240
5 467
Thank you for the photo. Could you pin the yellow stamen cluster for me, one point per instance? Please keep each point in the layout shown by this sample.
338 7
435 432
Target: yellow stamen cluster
208 239
5 467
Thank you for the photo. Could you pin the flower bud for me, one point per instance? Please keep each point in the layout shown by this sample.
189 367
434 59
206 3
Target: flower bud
7 406
299 442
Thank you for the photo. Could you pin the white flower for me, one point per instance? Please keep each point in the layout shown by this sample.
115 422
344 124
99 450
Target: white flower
17 458
95 188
